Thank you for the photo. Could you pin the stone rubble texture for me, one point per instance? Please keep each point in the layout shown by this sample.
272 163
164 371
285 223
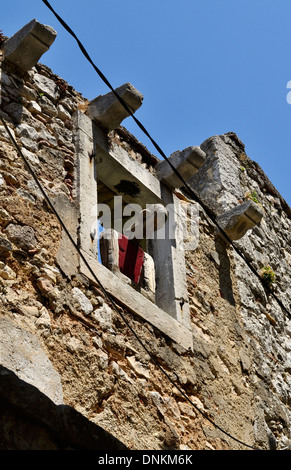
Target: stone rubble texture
73 345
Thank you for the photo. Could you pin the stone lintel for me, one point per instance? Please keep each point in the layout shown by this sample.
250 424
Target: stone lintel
238 220
108 111
25 48
125 176
187 162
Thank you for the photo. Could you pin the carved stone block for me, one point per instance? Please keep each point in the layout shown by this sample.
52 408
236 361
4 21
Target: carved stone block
25 48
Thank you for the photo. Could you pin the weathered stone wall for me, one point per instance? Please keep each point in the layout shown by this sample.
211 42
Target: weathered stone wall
59 333
244 333
41 424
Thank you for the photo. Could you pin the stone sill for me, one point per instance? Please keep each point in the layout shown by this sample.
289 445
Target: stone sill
136 303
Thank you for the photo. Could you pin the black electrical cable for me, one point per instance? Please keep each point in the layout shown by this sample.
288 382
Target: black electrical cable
187 188
108 296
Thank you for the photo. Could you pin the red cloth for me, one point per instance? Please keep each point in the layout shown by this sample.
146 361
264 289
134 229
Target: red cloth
131 257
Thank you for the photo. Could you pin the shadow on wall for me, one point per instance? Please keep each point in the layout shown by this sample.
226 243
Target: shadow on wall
225 282
29 420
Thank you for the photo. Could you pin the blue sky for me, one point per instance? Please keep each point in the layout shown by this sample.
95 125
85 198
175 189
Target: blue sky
204 67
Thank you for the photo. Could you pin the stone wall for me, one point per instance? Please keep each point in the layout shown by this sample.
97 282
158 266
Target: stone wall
43 425
60 333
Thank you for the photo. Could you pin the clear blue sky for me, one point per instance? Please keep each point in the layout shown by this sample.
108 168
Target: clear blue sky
204 67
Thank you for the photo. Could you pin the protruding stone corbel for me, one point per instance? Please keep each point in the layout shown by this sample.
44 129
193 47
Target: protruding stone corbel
237 221
25 48
108 111
187 162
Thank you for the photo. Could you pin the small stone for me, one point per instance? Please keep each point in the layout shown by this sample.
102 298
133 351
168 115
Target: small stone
83 301
10 179
2 180
44 118
29 94
186 409
48 137
48 108
44 320
209 446
4 216
63 113
44 285
24 130
69 103
74 346
102 359
5 247
245 361
46 86
35 190
198 403
26 195
29 144
50 273
100 300
97 342
103 315
7 273
138 367
119 372
114 345
34 107
22 236
30 156
29 310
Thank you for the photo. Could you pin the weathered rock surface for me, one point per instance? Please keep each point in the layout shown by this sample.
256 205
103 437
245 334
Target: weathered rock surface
21 352
22 236
62 335
45 426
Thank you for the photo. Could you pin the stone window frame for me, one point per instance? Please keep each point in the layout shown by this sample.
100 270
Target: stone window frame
170 314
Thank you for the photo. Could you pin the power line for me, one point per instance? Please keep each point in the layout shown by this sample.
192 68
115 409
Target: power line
187 188
108 296
79 252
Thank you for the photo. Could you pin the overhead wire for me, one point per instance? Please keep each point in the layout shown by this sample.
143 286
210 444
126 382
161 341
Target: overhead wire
108 296
186 187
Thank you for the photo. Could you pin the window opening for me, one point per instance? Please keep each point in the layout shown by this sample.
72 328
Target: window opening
124 231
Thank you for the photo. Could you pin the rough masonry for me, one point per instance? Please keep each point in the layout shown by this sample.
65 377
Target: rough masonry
206 319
